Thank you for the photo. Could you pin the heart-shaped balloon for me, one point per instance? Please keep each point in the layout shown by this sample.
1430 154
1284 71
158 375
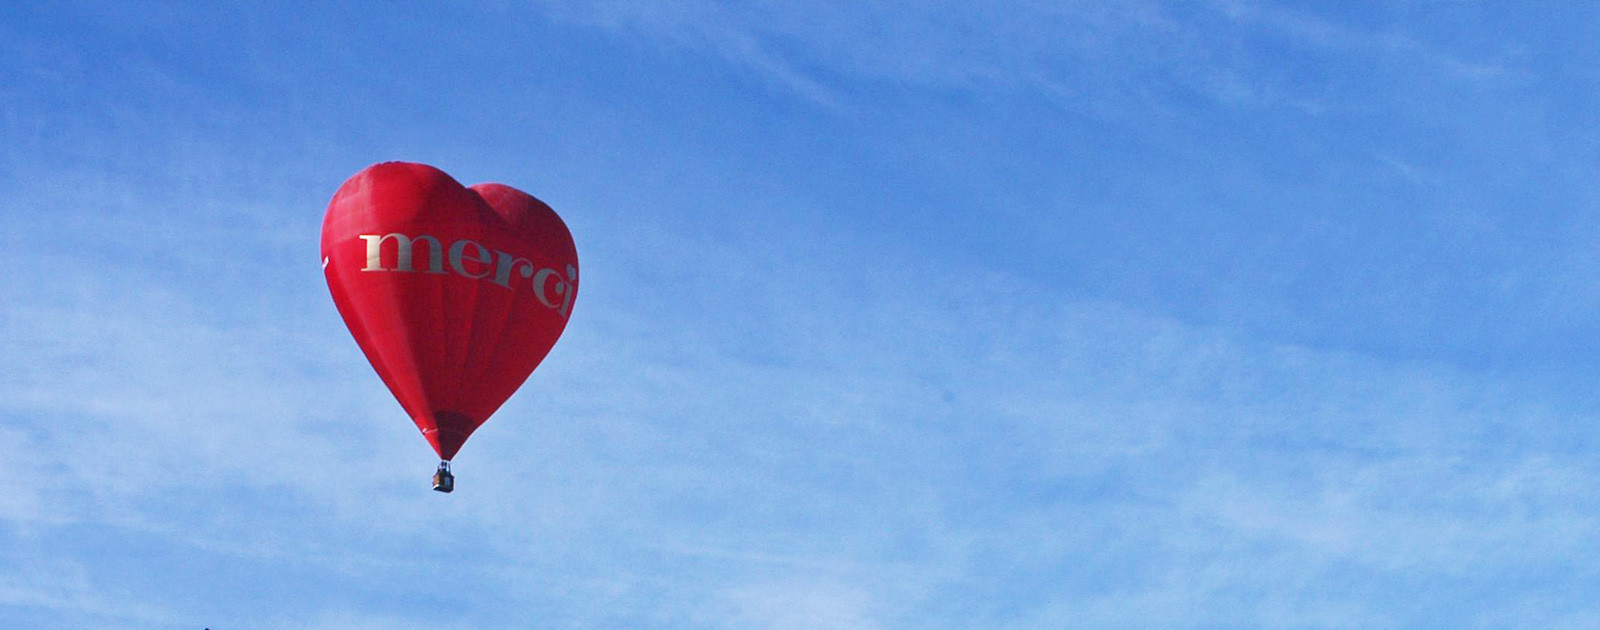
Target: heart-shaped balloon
455 294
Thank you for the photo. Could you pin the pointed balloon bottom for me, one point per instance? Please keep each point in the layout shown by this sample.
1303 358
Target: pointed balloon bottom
443 481
446 431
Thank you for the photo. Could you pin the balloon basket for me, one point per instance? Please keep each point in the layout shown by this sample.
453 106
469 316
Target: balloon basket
443 481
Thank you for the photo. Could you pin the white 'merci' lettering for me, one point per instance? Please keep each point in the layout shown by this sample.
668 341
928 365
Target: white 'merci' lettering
470 259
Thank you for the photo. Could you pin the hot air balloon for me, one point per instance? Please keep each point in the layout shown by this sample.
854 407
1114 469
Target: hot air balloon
455 294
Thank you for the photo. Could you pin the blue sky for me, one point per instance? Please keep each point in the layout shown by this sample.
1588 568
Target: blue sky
920 315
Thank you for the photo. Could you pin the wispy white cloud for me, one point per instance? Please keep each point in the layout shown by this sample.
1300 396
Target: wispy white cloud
1083 57
45 588
815 51
1388 44
795 605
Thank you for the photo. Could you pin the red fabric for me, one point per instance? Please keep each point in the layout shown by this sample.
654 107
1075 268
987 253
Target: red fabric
451 336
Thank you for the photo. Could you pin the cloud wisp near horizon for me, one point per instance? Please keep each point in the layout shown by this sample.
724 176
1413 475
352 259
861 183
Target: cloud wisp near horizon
1171 315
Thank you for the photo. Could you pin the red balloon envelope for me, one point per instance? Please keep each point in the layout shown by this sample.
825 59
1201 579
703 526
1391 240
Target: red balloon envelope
455 294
